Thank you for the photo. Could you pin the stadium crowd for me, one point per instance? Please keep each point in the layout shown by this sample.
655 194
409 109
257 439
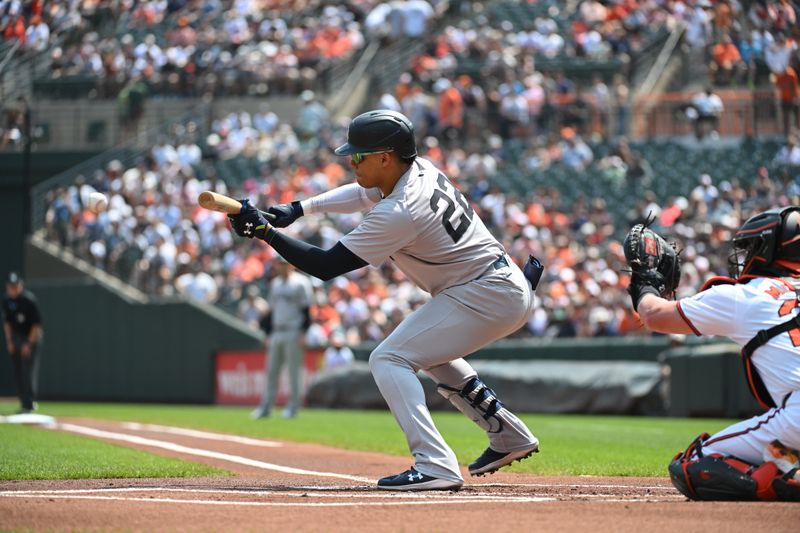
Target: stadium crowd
216 47
155 237
231 47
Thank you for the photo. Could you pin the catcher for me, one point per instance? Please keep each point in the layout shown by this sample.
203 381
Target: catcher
757 308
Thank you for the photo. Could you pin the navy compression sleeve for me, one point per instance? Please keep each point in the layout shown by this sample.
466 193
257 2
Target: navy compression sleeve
322 264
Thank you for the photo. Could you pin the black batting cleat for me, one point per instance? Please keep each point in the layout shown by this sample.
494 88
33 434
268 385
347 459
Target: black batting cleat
413 480
491 461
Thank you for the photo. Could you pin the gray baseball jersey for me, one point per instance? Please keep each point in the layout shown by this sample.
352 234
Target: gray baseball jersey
432 234
288 297
428 229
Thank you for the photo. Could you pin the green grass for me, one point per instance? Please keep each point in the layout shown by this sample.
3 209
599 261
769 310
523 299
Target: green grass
570 444
34 453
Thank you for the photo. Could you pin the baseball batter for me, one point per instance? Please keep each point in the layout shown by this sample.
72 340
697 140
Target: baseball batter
421 222
756 308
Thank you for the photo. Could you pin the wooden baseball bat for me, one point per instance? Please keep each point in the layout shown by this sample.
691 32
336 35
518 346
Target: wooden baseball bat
219 202
224 204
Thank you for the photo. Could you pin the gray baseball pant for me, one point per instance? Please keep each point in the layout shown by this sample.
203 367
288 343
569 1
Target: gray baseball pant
435 338
284 350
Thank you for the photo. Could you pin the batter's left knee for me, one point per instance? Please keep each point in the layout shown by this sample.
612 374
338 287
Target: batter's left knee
381 360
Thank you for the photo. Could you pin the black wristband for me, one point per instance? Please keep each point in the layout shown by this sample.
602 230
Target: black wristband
297 207
646 289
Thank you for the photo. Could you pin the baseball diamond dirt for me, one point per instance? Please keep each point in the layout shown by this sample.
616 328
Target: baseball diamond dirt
283 486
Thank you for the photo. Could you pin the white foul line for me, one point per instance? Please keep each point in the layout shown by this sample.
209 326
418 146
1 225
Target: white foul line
525 499
205 453
301 492
136 426
310 493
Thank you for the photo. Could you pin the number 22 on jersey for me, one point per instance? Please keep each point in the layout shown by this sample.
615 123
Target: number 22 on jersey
453 200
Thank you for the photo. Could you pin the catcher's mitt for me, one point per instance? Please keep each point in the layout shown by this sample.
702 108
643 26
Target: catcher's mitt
655 265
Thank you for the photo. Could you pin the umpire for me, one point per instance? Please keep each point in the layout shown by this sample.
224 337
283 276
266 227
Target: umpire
22 325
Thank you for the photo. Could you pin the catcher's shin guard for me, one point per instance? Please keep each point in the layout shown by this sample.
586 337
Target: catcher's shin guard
716 477
477 401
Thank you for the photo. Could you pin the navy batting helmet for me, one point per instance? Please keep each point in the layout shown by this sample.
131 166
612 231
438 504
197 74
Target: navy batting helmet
378 130
767 244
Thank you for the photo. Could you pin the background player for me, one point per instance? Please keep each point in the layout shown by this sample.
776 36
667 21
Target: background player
421 221
22 325
757 308
285 326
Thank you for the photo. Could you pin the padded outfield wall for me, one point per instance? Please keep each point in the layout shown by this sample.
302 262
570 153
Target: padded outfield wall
105 342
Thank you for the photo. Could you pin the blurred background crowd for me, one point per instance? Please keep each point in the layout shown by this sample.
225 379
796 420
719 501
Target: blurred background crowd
527 105
155 237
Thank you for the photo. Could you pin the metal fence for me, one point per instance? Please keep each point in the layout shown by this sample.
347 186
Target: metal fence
746 114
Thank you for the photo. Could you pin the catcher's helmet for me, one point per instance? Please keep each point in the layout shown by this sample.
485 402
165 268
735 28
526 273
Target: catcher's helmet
381 129
767 243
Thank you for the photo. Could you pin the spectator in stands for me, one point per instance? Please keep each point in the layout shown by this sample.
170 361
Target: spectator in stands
789 154
416 14
727 65
37 35
789 92
778 55
474 100
17 121
313 119
785 16
197 285
560 325
15 29
639 172
749 52
450 118
723 17
705 112
253 307
621 97
705 192
762 191
699 27
576 154
514 111
338 354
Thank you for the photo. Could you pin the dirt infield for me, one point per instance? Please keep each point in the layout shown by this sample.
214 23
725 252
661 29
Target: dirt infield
300 487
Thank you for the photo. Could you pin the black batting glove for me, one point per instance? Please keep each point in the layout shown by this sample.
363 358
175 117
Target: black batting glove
285 214
250 222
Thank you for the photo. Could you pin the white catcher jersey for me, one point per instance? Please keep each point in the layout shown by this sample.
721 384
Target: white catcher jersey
428 229
739 312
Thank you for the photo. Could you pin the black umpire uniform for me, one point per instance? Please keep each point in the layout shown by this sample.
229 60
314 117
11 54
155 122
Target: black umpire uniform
22 327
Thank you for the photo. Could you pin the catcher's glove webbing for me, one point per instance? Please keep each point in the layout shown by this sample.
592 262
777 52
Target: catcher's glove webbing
655 265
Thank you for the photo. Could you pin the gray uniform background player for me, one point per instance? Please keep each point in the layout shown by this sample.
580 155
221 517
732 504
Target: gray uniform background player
290 297
421 222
